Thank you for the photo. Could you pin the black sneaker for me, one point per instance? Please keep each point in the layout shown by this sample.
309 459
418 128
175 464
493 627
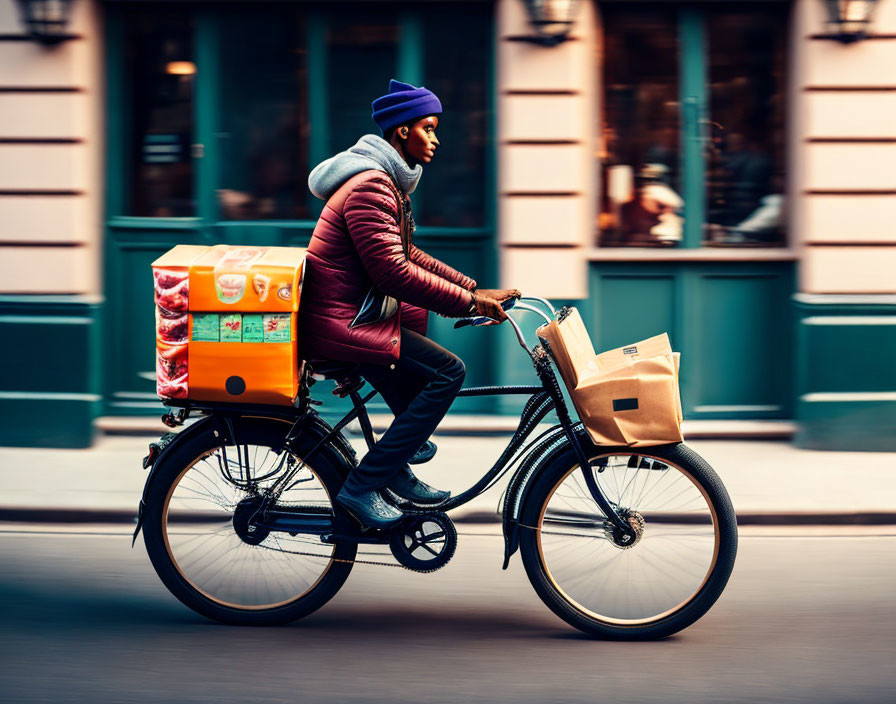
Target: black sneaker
409 487
370 509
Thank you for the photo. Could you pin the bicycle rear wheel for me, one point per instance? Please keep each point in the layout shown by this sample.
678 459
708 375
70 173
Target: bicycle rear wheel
663 581
200 536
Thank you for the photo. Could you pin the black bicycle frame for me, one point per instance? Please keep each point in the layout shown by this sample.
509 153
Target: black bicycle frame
542 400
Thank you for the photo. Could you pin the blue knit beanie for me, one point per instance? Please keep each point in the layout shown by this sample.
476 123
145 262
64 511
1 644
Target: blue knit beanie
404 103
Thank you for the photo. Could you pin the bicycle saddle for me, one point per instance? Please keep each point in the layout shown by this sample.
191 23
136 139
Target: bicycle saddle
345 374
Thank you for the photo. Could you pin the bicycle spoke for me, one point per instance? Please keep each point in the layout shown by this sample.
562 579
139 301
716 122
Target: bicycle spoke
214 558
669 559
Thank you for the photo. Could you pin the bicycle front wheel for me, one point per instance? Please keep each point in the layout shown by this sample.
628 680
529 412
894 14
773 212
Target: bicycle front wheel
655 585
201 538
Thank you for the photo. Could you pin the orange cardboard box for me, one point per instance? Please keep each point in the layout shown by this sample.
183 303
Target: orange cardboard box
226 323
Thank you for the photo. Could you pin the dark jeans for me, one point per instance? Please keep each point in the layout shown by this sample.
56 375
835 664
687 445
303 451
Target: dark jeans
419 392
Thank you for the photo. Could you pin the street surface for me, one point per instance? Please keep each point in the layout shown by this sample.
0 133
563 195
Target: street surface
807 617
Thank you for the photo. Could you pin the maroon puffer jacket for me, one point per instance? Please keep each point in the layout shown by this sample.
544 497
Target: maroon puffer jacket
356 243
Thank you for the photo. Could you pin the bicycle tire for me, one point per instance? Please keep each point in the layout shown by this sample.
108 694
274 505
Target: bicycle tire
159 537
620 625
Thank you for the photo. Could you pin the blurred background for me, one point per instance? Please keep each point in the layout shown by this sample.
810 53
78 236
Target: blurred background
723 171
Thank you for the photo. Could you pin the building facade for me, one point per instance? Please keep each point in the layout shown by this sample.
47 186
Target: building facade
718 170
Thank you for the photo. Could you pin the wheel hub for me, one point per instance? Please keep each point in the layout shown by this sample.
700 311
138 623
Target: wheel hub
245 514
626 539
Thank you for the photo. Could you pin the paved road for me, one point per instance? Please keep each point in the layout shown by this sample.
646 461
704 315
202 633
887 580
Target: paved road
806 618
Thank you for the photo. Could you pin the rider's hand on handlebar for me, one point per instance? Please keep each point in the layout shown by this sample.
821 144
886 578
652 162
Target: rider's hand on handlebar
498 294
488 306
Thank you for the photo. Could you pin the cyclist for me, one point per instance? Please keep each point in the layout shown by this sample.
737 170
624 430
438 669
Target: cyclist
368 288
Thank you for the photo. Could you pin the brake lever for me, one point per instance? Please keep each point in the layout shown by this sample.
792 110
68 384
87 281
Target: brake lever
506 304
478 320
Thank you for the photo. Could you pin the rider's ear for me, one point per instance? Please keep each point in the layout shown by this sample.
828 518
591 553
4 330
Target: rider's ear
403 132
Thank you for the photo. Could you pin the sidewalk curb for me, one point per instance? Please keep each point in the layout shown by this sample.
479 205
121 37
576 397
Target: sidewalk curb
489 426
794 518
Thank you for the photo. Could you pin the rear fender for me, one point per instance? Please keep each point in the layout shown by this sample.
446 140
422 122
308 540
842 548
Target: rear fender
220 428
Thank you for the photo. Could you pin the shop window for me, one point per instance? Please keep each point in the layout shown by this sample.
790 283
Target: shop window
745 149
161 74
692 143
262 121
288 85
362 47
453 187
641 205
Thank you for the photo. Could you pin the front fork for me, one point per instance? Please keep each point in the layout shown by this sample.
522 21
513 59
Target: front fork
549 379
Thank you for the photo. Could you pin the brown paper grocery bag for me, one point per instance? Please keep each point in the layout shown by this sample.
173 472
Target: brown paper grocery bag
627 396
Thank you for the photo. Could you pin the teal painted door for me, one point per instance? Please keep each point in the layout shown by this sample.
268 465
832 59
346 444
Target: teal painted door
217 113
732 322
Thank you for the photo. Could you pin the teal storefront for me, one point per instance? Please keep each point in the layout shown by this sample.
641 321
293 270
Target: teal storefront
216 112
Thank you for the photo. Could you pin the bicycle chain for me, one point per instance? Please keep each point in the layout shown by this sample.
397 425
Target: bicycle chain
339 559
377 563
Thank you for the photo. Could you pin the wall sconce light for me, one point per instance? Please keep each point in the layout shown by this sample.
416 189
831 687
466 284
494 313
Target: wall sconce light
552 20
46 20
180 68
848 20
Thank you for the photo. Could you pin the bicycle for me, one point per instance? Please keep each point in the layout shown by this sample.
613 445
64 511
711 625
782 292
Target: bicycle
239 523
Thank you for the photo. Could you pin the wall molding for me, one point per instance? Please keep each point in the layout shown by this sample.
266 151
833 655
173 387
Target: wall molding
849 89
41 192
850 192
42 140
42 89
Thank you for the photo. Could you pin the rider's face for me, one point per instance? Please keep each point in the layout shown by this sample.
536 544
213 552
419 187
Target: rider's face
421 142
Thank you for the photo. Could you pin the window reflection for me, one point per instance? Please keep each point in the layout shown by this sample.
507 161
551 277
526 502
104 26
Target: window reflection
452 190
259 78
362 49
263 137
642 201
640 192
745 159
160 77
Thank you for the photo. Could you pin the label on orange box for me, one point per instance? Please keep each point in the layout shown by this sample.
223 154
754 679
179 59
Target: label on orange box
205 327
276 327
231 327
253 327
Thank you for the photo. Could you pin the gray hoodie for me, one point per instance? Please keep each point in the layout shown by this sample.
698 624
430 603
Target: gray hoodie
371 152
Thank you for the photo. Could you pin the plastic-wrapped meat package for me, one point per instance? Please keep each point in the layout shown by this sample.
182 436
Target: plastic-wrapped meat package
171 370
172 291
171 327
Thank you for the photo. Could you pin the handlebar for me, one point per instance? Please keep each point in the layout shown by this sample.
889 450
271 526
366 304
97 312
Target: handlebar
483 320
509 305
